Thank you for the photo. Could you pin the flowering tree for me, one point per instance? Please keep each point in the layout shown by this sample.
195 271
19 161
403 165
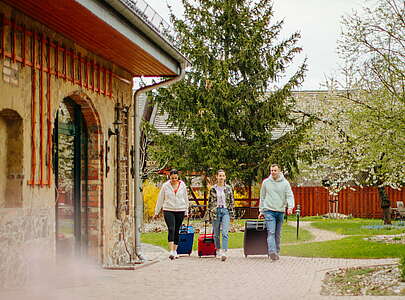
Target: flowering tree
360 136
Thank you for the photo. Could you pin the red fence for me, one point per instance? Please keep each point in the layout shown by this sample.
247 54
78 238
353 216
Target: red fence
315 200
361 202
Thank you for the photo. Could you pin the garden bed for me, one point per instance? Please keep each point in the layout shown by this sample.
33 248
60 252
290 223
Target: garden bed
364 281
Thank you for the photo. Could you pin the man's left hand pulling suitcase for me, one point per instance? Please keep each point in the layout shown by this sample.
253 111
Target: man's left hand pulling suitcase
186 239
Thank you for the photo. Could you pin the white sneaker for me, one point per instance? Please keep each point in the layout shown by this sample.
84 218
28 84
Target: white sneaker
175 254
218 253
171 255
223 256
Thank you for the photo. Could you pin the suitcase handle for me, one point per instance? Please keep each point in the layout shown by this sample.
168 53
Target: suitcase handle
206 221
260 226
188 221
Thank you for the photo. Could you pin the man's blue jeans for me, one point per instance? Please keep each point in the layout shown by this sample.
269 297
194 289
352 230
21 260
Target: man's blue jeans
224 220
274 222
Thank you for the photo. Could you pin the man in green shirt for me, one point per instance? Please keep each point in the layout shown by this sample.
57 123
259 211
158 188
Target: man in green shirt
275 196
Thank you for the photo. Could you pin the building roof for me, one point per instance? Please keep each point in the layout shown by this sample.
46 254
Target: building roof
116 30
160 120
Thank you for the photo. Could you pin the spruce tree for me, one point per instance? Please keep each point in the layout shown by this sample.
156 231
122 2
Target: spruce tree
232 99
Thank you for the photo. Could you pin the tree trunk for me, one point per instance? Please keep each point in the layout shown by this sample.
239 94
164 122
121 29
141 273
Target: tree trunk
146 117
385 205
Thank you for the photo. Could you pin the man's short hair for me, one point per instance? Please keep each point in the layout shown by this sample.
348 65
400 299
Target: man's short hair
220 170
276 165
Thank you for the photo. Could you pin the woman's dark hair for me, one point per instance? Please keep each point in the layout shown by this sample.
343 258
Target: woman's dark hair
173 171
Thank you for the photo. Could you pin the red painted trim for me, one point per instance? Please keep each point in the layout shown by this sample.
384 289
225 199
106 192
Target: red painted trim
2 40
56 55
13 41
23 46
110 87
79 68
105 81
98 79
93 80
33 114
41 112
41 47
64 67
49 118
72 62
86 72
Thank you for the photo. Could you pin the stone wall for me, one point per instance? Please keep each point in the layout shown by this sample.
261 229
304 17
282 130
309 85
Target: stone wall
25 244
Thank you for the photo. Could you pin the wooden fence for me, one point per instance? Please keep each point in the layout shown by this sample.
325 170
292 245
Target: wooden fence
315 200
360 203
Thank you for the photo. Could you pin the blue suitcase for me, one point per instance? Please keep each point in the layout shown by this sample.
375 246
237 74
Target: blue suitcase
186 240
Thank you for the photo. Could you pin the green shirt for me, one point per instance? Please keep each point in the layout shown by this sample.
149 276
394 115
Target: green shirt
276 195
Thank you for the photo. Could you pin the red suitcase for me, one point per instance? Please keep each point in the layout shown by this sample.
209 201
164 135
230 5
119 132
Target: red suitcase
206 245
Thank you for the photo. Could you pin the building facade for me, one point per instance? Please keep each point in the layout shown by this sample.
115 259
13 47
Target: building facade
66 128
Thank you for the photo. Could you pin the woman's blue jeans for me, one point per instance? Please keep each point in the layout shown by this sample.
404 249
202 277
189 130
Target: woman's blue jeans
274 222
224 220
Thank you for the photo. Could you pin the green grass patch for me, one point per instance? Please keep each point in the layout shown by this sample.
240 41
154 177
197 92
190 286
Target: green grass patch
288 235
350 247
356 227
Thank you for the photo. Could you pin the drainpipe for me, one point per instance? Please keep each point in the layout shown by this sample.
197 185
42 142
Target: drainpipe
138 201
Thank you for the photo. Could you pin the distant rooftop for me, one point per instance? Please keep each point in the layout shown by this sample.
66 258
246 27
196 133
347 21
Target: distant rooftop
150 16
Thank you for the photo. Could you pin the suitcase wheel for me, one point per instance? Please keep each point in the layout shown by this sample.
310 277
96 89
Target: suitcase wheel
199 253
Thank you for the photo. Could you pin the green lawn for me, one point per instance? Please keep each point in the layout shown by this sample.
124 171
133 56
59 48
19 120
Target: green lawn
350 247
288 235
355 227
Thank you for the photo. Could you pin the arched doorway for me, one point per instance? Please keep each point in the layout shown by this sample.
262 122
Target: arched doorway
78 178
71 178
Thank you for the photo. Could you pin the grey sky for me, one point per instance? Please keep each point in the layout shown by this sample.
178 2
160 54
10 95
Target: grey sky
317 20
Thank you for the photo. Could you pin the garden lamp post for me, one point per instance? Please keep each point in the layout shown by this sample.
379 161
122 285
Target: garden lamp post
298 212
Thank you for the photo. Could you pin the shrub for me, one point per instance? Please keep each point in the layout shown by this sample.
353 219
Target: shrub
150 195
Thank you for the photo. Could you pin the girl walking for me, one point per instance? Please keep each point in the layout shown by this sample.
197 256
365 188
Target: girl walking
221 210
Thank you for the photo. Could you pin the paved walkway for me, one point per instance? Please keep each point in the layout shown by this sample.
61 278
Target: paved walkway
320 235
191 277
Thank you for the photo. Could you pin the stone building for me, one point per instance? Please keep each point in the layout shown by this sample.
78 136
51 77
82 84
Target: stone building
66 127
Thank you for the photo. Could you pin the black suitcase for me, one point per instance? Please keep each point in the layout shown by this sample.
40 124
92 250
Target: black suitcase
255 238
